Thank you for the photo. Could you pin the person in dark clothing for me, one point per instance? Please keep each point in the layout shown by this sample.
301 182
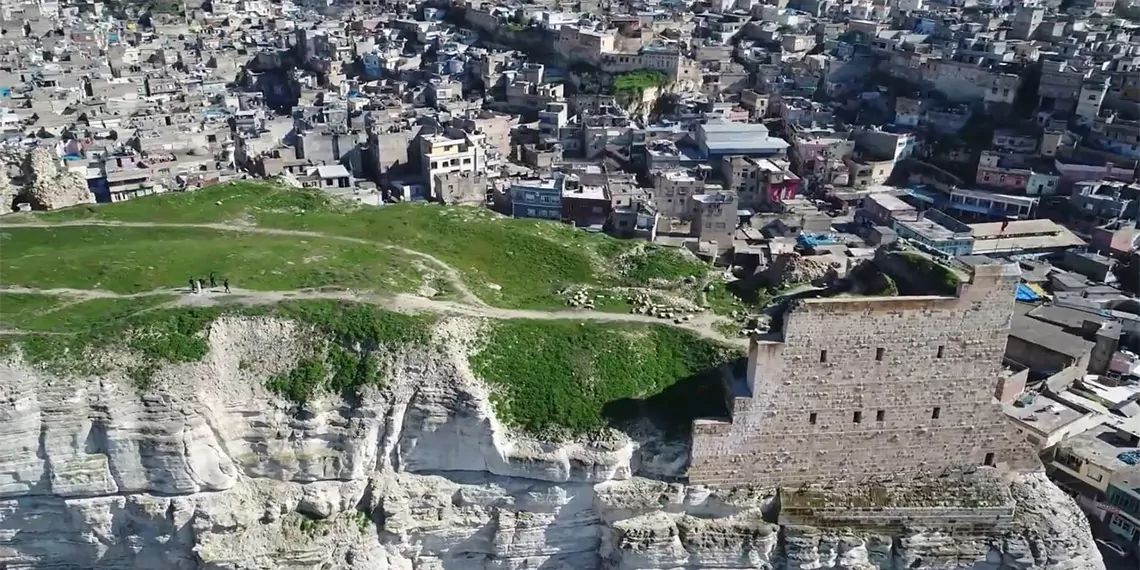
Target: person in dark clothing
213 280
191 290
226 284
201 284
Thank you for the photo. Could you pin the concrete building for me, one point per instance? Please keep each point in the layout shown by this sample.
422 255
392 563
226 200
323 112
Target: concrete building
442 155
1123 495
1094 457
845 386
538 198
716 140
673 192
716 218
1026 22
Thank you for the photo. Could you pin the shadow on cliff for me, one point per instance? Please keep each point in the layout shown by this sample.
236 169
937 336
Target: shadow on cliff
671 413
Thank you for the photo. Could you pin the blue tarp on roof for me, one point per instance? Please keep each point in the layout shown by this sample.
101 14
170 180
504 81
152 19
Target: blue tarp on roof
813 240
1026 294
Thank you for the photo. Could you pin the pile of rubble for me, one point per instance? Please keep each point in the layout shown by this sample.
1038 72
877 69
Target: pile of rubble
581 299
643 305
752 324
795 268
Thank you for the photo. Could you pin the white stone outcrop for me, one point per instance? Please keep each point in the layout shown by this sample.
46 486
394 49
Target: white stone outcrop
207 470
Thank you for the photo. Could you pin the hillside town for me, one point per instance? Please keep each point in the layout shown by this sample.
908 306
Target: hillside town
783 142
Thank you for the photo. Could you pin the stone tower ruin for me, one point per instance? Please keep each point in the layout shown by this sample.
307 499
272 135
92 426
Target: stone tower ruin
860 389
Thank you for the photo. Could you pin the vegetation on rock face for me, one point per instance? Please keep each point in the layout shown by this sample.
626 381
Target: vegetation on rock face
634 83
567 379
869 280
60 335
941 280
356 336
507 262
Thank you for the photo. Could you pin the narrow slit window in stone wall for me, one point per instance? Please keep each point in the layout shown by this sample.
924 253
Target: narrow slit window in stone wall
811 418
989 459
858 417
880 415
879 352
941 351
937 412
823 356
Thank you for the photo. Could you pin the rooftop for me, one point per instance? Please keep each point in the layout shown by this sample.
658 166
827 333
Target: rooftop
1022 234
1042 414
1102 445
890 202
1048 336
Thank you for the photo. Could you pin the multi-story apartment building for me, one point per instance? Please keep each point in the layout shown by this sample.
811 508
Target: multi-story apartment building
674 189
1060 86
579 43
716 218
759 182
441 154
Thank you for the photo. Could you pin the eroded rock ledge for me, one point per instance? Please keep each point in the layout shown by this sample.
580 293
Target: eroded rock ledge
207 470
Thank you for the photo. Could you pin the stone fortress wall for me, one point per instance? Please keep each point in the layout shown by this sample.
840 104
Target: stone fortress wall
856 390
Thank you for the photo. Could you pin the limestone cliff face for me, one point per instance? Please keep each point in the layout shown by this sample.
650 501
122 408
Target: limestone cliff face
207 470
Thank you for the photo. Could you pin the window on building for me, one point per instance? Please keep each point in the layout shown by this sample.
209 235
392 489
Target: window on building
989 459
941 351
879 352
531 212
880 415
812 418
857 417
936 413
823 356
1095 476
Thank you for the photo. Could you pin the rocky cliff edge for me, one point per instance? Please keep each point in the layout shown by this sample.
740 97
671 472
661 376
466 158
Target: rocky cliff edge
206 469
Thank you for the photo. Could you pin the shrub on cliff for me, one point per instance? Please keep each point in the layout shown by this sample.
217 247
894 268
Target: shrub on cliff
570 379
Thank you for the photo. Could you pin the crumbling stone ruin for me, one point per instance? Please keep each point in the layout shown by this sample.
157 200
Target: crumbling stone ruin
8 192
52 186
788 268
849 390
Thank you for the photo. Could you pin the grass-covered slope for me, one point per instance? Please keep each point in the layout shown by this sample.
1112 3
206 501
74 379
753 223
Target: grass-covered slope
553 379
506 262
133 260
567 378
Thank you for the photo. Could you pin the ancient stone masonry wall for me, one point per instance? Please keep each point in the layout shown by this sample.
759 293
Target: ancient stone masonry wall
864 389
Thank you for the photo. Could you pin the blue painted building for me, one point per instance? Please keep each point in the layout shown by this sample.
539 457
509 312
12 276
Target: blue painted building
937 231
540 199
1124 496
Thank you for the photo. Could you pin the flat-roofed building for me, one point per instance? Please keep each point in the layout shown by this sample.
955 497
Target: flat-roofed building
720 139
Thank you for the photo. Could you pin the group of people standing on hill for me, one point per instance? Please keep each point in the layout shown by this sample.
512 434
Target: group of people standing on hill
198 285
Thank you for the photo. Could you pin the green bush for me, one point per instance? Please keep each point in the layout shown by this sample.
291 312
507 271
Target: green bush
941 280
636 82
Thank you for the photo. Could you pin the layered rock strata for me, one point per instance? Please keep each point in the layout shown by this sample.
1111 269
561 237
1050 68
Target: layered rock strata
207 470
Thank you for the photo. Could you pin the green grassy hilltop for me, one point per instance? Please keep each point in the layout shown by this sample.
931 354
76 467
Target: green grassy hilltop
506 262
79 281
